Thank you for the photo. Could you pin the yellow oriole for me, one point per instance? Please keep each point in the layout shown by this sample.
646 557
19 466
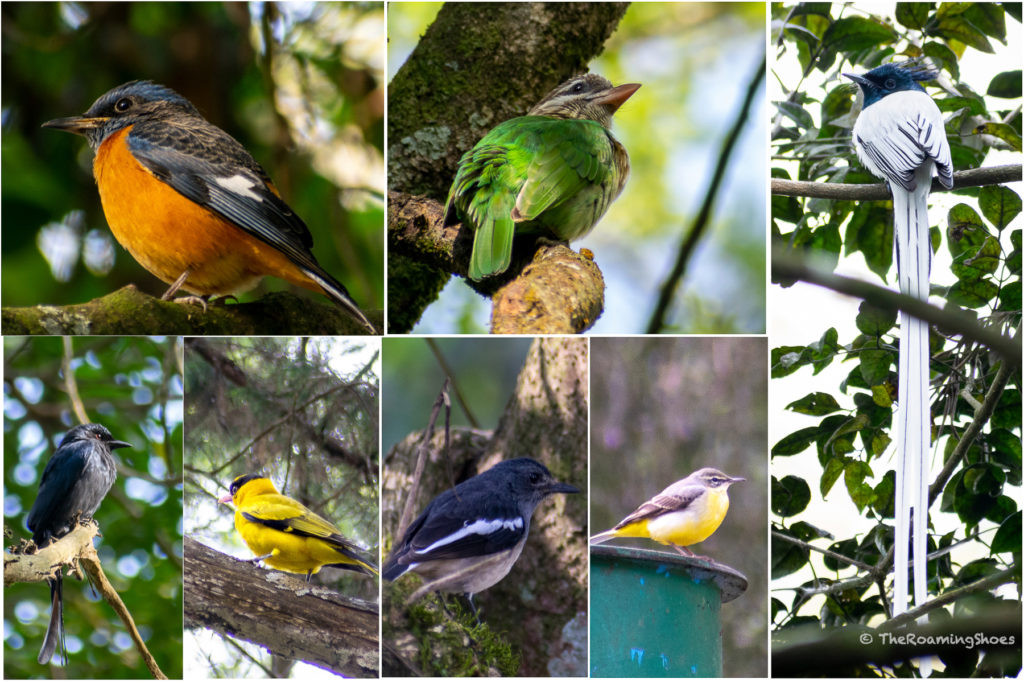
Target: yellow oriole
685 513
288 535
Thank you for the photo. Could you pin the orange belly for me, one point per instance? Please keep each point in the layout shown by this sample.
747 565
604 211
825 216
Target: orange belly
168 233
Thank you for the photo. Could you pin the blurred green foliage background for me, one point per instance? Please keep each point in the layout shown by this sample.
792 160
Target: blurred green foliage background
133 387
695 61
483 370
301 86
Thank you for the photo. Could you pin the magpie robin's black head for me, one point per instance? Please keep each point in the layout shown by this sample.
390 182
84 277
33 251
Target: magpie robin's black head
529 480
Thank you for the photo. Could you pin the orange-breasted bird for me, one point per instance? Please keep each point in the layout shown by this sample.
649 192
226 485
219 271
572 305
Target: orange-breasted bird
190 203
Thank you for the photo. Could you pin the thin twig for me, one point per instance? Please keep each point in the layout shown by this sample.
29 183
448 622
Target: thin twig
91 563
824 551
787 267
991 581
421 459
700 223
71 385
450 374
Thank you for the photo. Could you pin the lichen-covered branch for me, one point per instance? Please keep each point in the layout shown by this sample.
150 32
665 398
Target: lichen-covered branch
548 289
69 550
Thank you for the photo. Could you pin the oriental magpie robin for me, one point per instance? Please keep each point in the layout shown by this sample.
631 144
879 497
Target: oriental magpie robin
468 538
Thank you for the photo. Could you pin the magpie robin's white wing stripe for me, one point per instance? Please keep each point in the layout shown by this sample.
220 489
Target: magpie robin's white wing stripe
482 528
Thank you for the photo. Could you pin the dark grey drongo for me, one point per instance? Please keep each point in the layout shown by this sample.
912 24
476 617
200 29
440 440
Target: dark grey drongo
75 480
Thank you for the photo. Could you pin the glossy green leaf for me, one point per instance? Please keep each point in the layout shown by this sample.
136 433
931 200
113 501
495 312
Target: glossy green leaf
790 495
816 403
874 366
874 321
796 442
1006 84
1008 537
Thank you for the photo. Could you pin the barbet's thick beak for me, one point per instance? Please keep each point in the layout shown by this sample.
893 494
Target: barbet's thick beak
80 125
614 97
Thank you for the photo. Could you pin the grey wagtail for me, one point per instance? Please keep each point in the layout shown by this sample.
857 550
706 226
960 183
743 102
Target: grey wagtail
468 538
685 513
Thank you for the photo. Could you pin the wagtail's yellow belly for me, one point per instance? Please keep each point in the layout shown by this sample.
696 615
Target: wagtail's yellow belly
684 527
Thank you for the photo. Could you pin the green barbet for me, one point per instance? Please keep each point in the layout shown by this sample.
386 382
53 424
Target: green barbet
552 172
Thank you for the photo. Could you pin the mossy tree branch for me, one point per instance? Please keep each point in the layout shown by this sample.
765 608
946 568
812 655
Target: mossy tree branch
130 311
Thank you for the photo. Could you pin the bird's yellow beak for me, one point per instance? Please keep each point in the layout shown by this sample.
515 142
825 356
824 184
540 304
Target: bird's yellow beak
79 125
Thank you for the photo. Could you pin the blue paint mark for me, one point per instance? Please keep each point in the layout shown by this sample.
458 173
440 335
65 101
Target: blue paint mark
641 580
636 654
664 661
693 669
663 569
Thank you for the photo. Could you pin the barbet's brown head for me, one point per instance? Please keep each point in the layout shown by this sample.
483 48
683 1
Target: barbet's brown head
586 96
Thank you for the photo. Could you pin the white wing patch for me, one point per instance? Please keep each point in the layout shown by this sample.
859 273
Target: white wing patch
239 184
482 527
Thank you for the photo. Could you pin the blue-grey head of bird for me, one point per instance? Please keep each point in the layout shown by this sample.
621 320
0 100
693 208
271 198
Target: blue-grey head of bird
889 78
586 96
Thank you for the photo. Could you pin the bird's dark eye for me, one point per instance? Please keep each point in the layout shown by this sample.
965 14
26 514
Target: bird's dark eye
123 105
577 87
890 84
534 477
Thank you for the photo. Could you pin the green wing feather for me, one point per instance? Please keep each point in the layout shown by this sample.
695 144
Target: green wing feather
532 174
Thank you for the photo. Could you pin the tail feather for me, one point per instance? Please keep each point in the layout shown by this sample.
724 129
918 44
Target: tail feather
392 569
602 537
913 426
492 247
55 630
339 295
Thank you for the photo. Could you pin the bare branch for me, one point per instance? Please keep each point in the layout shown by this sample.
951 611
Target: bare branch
787 267
280 612
975 177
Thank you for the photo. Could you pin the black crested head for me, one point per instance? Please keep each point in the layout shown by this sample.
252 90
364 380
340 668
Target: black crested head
891 78
239 482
